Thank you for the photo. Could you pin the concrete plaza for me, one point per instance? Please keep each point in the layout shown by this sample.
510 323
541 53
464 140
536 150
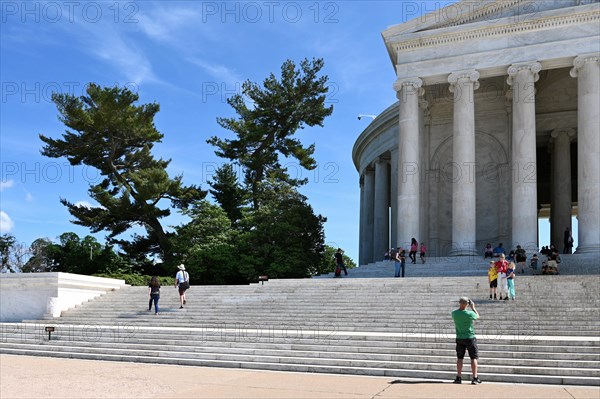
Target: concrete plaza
41 377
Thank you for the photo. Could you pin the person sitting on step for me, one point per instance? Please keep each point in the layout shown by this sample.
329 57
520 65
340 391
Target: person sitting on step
499 250
534 264
487 251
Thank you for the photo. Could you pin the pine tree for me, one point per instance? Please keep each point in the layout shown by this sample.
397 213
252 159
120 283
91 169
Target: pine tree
107 130
228 193
269 117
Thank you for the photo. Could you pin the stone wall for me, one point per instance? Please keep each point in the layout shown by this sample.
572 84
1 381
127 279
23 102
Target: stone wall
32 295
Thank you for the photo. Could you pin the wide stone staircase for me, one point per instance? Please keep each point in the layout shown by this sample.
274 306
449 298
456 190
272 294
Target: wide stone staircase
382 327
580 264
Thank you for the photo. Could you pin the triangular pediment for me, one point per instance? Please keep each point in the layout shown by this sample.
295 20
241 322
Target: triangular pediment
464 12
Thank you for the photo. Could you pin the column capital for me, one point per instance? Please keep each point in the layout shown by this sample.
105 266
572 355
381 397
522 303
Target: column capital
581 60
411 83
380 159
566 132
468 76
533 66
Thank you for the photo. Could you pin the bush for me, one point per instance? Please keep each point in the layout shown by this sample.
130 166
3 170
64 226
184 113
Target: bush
138 280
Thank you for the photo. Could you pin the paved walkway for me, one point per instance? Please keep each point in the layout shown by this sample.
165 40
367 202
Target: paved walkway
39 377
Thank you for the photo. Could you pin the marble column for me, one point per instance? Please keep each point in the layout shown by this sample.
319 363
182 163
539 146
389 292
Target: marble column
464 227
561 207
586 68
524 215
362 231
381 224
394 197
408 92
367 244
424 123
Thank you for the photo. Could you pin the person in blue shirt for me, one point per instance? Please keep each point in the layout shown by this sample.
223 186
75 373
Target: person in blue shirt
499 250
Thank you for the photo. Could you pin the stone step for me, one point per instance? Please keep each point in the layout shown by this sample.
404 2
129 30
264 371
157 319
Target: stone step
379 326
571 376
549 367
302 335
170 317
487 351
345 352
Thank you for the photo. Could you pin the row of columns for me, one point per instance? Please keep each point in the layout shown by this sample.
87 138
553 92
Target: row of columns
524 213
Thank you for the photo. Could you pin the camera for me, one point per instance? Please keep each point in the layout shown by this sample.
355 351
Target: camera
469 302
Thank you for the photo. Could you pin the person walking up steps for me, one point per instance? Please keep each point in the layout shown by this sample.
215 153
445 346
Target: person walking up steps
339 260
465 338
182 281
414 246
154 293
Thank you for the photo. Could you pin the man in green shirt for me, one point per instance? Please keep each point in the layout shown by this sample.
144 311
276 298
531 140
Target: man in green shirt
465 338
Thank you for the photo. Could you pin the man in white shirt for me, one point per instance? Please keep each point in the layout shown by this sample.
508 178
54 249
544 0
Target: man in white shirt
182 281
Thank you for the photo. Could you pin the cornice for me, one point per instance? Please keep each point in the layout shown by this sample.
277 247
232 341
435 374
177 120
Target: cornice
486 10
472 10
497 30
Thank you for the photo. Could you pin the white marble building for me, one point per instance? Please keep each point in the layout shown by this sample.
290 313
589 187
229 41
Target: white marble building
497 122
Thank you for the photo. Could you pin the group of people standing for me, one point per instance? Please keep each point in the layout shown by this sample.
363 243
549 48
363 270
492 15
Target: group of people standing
182 283
501 276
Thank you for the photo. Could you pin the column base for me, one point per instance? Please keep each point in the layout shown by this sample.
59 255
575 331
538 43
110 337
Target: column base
464 252
588 249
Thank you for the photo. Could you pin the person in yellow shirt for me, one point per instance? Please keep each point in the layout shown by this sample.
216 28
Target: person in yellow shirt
493 278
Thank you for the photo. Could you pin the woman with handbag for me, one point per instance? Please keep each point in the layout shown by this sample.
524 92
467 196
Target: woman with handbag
182 281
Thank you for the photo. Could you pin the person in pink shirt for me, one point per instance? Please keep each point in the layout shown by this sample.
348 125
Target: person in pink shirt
414 246
423 249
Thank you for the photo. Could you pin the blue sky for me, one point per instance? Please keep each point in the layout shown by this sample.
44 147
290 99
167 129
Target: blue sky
187 56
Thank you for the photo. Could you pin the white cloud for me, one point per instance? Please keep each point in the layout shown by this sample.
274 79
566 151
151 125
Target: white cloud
128 58
6 184
165 24
221 73
178 27
28 197
113 44
6 223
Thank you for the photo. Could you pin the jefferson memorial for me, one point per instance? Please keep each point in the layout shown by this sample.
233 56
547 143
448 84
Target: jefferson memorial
496 125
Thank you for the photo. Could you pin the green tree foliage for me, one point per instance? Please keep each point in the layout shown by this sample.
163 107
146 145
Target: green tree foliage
108 131
328 264
207 246
40 260
283 238
137 279
74 255
265 129
228 193
12 254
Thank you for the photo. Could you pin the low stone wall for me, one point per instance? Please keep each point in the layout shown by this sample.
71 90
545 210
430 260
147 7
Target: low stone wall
25 296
